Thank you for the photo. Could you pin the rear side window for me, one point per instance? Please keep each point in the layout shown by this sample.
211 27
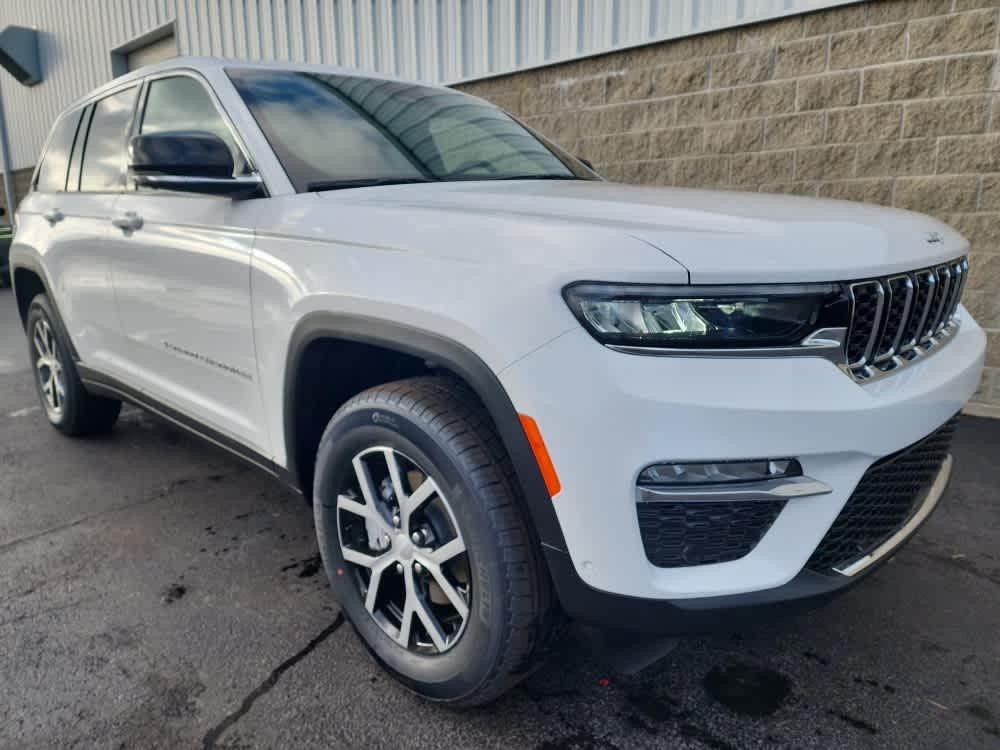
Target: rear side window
104 152
182 103
52 172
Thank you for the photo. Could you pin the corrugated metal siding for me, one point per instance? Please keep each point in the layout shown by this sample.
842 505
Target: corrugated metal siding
433 40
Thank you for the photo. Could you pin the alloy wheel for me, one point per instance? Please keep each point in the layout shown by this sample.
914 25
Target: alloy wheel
404 548
48 368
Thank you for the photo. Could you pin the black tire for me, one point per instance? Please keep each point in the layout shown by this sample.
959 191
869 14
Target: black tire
442 426
75 411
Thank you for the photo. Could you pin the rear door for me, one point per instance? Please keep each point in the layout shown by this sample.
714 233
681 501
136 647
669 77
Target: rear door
182 279
67 218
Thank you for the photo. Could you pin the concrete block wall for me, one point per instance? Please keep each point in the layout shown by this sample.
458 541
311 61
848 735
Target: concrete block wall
893 101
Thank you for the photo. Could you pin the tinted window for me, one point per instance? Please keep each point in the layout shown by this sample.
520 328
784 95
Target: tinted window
52 172
105 149
334 128
182 103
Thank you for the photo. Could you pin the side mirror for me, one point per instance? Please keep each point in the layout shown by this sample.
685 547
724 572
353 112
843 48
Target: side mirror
586 162
190 162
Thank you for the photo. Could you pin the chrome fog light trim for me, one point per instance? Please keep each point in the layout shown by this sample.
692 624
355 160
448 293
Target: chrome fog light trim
770 489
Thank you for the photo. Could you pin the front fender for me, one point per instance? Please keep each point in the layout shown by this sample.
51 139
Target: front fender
446 353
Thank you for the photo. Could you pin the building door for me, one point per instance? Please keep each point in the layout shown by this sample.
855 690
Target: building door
161 49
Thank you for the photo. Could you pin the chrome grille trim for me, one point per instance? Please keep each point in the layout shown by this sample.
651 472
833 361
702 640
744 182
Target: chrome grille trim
924 280
897 337
883 352
871 336
943 274
961 272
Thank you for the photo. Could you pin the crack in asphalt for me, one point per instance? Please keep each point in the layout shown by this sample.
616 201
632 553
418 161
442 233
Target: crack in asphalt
213 734
164 492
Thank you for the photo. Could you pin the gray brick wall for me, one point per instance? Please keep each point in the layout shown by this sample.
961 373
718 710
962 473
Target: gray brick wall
893 101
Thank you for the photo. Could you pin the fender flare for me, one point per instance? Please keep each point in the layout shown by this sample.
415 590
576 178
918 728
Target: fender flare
452 355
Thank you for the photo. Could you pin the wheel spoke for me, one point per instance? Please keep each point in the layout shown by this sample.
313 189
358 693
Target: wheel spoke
50 344
373 583
449 590
40 345
344 502
368 511
359 558
395 476
431 625
406 621
447 551
420 496
364 480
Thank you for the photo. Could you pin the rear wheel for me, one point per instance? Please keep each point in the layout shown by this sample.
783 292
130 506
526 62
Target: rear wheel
426 542
68 406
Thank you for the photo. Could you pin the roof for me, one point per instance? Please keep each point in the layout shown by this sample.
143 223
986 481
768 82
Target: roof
207 64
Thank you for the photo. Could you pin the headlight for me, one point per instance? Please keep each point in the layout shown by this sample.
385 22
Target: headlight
714 317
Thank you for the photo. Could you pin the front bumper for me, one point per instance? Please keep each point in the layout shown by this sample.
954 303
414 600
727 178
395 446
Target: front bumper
605 415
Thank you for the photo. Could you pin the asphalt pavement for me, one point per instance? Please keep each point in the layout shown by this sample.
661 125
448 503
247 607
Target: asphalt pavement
155 593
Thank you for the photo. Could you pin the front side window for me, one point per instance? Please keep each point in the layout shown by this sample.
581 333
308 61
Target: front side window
333 131
52 172
181 103
104 151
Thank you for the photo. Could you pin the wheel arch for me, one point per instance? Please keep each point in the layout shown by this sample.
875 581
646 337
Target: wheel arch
29 279
438 352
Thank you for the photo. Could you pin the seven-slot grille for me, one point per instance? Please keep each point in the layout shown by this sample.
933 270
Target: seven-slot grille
892 316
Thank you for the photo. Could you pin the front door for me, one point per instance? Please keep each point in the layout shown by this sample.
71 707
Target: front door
181 272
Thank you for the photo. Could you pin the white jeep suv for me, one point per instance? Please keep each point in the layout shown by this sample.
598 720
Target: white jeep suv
513 391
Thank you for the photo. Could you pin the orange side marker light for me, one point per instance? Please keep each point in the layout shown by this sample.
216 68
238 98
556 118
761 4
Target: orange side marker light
542 457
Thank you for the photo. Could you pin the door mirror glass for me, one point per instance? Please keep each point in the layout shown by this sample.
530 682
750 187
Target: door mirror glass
187 161
180 153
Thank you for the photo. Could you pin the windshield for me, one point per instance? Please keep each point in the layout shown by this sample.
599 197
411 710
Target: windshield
337 131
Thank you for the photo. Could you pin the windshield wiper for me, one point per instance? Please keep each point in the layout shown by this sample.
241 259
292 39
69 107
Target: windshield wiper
320 185
537 177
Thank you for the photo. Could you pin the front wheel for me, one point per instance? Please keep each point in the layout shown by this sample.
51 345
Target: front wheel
426 543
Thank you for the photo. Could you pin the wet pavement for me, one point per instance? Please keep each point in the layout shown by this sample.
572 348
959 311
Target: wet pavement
155 593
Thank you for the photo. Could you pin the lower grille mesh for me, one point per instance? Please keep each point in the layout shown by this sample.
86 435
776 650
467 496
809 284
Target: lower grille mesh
692 533
886 498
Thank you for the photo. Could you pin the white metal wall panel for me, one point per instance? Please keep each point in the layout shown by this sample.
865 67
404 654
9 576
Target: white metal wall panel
434 40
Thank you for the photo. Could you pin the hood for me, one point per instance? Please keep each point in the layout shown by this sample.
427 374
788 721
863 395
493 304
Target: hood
718 236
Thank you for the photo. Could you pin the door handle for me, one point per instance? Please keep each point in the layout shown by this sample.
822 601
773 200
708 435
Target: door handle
53 216
128 221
